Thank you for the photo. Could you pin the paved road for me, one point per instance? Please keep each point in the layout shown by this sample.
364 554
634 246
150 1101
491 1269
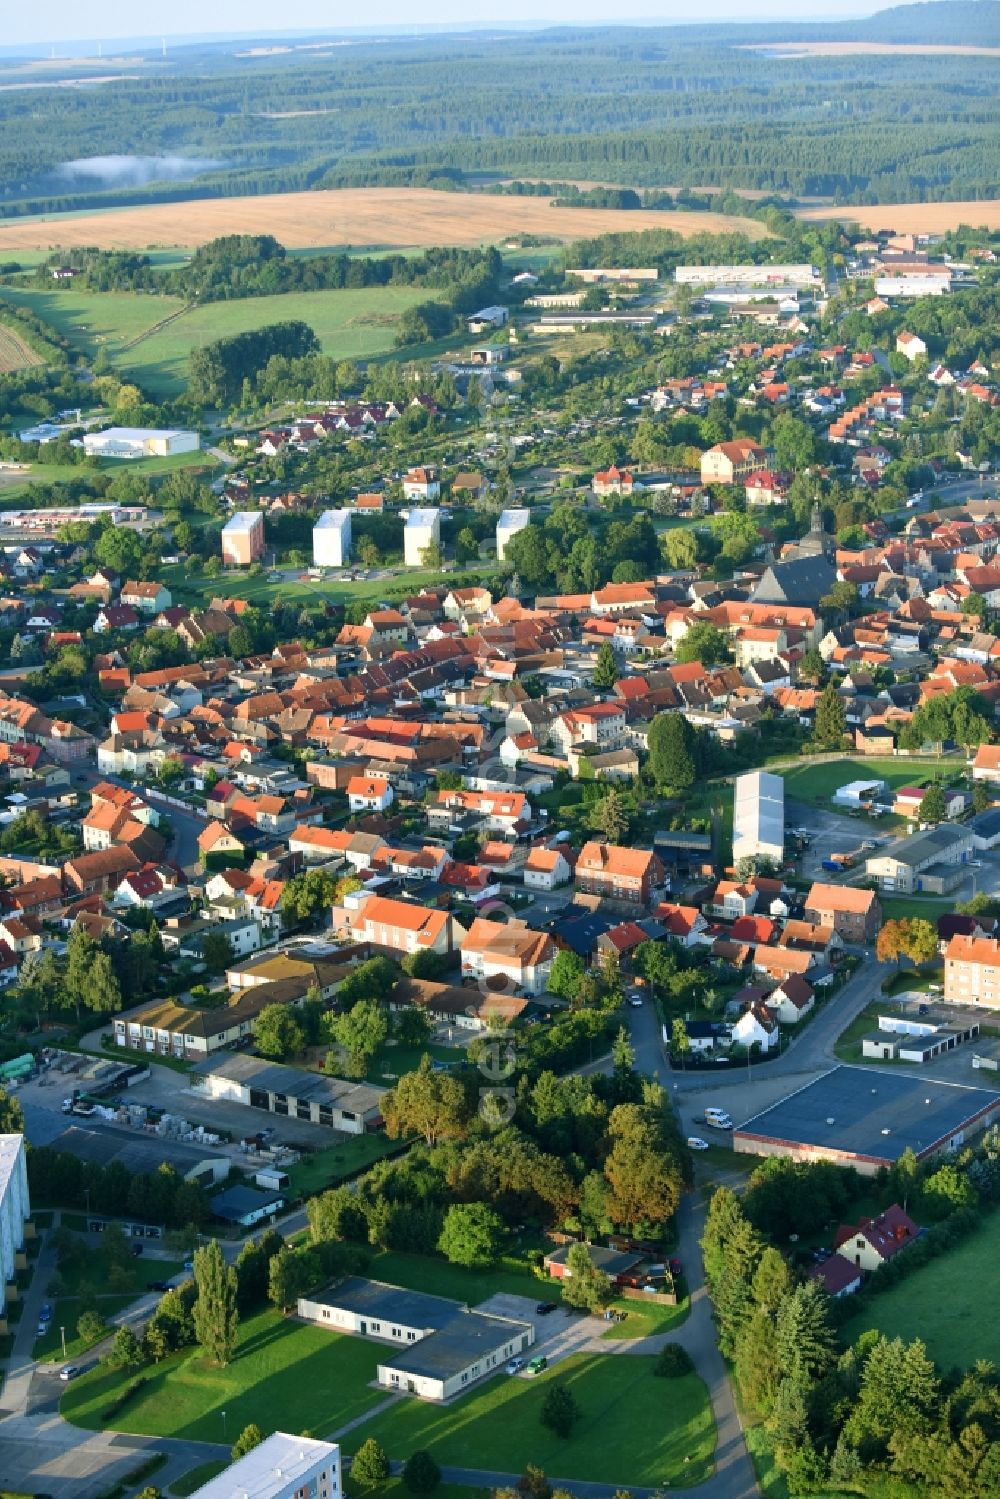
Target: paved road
184 848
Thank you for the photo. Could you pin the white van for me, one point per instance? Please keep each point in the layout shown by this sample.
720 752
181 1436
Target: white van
718 1119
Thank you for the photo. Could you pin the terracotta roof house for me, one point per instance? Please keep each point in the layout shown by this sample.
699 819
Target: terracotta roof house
855 915
621 874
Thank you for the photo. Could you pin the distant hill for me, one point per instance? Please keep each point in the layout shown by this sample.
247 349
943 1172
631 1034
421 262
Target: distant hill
973 23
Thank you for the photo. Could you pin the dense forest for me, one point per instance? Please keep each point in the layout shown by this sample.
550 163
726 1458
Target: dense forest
637 107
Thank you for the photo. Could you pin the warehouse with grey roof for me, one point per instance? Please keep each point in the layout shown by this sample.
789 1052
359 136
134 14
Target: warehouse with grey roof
866 1118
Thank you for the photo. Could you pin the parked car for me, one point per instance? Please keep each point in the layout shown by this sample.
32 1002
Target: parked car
676 1268
538 1364
515 1365
189 1264
544 1307
695 1142
136 1251
46 1312
635 1000
158 1285
69 1371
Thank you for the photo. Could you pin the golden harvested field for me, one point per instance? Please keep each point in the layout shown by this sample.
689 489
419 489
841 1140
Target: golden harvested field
14 352
357 217
914 218
880 49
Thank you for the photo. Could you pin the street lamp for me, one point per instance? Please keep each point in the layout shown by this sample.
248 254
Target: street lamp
62 1334
223 1426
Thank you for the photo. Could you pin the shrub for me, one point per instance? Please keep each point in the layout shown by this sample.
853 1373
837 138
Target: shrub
673 1362
421 1473
122 1399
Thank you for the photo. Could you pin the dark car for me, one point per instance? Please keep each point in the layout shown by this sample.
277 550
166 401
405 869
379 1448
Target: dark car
675 1265
544 1307
136 1251
158 1285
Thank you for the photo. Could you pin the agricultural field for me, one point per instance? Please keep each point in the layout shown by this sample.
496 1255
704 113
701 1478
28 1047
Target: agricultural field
370 217
15 354
875 49
95 320
913 218
943 1302
349 324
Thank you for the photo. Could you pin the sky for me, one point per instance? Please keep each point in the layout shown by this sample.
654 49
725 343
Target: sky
63 21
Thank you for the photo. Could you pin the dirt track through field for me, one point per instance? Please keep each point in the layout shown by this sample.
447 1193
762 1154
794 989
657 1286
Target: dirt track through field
914 218
15 353
358 217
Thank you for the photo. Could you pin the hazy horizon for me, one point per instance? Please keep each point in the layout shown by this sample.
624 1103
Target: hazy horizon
113 21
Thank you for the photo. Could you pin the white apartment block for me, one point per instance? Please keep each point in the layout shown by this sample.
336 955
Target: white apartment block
15 1207
510 522
282 1467
422 530
332 539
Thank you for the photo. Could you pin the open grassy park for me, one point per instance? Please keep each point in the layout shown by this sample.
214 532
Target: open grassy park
350 324
665 1425
943 1303
286 1376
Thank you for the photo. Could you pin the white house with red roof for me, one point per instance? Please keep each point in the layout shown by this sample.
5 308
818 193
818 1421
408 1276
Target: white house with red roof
545 869
369 793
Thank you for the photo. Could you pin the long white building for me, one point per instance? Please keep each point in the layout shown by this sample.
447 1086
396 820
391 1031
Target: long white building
745 275
422 529
140 442
282 1467
332 539
759 817
510 522
15 1207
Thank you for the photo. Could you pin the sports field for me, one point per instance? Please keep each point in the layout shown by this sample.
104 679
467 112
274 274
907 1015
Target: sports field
349 324
357 216
819 780
943 1302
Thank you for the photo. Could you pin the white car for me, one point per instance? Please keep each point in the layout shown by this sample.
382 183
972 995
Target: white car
695 1142
515 1365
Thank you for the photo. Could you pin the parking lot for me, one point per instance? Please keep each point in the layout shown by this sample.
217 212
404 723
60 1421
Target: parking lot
830 833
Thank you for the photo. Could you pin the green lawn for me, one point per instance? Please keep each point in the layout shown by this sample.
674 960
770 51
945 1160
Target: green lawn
901 907
195 589
666 1428
195 1477
325 1168
943 1303
394 1059
349 324
817 782
286 1376
90 1267
65 1313
908 980
422 1272
642 1321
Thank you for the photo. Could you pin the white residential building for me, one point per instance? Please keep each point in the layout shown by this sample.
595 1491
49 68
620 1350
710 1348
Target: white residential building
510 522
422 530
332 539
281 1467
15 1208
